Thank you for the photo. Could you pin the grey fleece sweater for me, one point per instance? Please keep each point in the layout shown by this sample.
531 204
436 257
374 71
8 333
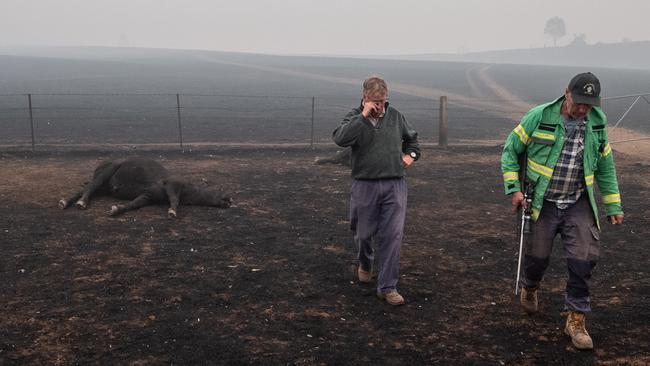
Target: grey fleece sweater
377 151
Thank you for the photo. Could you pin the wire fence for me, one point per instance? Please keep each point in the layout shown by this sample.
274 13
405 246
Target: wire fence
46 120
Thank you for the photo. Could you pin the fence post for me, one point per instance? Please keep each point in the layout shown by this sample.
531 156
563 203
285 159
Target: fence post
180 127
442 134
313 104
31 120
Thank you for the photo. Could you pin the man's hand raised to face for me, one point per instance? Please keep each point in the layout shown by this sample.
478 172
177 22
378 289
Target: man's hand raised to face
370 109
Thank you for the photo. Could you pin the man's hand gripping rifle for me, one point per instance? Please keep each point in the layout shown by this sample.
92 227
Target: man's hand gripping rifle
525 211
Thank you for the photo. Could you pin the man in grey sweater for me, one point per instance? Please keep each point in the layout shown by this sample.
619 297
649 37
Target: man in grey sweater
383 146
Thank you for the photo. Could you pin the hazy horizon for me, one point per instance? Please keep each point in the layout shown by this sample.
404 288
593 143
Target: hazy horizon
307 27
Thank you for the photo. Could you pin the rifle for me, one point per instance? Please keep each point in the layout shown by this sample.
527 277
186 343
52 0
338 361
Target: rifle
525 211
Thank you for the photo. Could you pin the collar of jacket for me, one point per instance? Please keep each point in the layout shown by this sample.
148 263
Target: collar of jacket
552 115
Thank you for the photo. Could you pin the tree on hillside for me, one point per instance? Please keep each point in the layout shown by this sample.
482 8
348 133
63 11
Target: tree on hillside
555 28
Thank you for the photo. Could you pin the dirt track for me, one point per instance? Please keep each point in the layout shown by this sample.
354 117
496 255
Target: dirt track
271 281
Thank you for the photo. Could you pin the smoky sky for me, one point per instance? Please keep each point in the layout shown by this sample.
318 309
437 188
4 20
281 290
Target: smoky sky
336 27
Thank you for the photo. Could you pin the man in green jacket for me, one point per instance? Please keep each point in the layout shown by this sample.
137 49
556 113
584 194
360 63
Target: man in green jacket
566 149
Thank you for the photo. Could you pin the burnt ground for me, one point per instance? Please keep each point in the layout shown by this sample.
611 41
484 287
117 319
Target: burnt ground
271 281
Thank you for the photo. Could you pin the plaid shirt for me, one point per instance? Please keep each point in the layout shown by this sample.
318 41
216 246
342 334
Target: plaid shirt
567 183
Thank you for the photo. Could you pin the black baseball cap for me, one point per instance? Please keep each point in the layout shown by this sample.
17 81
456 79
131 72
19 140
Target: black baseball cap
585 89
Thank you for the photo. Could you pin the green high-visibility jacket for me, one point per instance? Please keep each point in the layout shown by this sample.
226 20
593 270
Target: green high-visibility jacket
541 135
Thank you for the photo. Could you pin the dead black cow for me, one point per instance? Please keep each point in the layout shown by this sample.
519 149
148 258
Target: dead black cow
144 182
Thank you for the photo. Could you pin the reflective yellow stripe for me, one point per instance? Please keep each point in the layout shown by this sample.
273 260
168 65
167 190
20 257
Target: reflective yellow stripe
612 198
535 214
510 176
523 136
589 179
545 136
607 150
540 169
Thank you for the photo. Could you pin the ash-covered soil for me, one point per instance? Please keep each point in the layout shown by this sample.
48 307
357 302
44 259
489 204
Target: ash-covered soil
272 281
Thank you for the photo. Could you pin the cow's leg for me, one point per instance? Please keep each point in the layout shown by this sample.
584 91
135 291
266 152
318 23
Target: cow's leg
140 201
63 203
173 192
101 177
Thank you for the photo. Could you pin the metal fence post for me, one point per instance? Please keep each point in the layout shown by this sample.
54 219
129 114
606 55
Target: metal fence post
313 104
31 120
442 135
180 127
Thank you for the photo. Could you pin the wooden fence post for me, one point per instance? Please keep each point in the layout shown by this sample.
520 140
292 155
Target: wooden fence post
180 126
31 120
313 104
442 134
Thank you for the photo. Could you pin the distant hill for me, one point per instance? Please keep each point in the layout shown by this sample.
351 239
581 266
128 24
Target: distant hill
626 55
130 69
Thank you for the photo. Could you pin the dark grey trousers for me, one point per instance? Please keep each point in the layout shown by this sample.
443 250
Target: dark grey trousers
580 236
378 211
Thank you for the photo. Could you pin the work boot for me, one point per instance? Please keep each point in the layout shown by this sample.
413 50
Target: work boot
528 299
392 298
363 275
575 328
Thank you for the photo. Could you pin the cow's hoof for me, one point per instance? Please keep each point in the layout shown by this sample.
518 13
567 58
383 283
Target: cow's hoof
114 210
171 213
81 205
63 204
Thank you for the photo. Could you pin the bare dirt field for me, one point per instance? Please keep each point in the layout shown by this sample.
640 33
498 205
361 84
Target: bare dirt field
271 281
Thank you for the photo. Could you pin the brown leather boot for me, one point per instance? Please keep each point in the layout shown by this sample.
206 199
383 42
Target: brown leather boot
392 297
575 328
363 275
528 300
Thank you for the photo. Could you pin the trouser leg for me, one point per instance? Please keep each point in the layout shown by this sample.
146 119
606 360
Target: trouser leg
580 237
539 247
363 219
390 232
